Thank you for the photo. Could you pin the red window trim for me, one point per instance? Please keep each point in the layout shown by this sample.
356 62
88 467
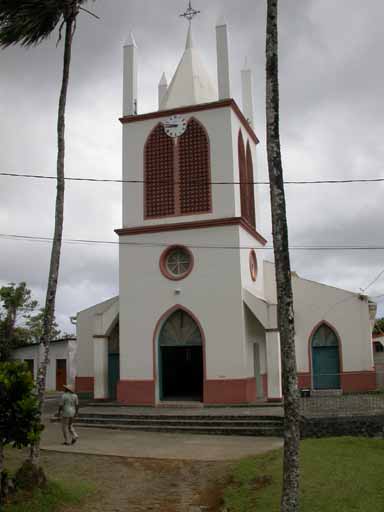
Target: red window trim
163 263
253 265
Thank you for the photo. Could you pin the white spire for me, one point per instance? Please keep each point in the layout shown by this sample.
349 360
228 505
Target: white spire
189 43
247 91
222 46
163 86
191 83
131 40
130 77
163 80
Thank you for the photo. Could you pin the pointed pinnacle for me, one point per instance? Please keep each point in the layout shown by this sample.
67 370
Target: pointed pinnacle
163 80
131 40
189 43
221 22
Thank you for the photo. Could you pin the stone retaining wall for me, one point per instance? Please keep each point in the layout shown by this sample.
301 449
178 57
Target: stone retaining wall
344 405
368 426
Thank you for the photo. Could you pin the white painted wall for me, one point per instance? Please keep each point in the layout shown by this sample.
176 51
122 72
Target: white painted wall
85 329
217 122
58 350
212 292
344 310
255 356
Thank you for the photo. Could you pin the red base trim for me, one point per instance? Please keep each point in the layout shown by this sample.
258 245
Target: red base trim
350 381
358 381
234 391
304 380
136 392
84 384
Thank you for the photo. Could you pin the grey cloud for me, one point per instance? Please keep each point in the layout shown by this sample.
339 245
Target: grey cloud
331 114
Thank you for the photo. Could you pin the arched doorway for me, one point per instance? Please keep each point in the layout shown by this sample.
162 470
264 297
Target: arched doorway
325 358
180 358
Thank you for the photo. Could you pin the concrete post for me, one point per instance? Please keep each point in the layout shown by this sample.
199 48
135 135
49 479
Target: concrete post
130 78
273 365
222 44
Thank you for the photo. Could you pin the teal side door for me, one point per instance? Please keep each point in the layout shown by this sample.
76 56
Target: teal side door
113 374
326 367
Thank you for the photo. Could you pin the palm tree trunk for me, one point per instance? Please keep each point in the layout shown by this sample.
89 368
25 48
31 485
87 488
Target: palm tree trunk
2 490
49 310
290 493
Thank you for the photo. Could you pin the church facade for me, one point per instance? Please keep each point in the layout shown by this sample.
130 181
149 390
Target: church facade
196 316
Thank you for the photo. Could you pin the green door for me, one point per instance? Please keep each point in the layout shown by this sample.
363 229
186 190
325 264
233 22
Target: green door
113 374
326 368
325 359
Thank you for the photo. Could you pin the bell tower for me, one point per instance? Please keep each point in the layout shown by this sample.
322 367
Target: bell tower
189 244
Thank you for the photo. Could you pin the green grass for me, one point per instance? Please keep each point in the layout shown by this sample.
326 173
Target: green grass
340 474
56 495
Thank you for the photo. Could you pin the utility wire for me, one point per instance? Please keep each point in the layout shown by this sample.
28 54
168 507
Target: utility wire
192 246
138 181
374 281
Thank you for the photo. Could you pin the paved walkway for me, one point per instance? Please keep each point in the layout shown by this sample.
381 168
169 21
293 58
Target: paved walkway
158 445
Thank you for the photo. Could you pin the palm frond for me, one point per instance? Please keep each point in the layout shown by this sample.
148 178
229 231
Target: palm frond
29 22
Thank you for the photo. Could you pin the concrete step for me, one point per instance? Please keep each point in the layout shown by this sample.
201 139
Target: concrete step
174 422
190 429
181 417
184 405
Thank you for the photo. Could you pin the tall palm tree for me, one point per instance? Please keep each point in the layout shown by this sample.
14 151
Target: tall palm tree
290 494
28 23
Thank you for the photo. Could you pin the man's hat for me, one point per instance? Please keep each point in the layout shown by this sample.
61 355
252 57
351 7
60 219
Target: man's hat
69 387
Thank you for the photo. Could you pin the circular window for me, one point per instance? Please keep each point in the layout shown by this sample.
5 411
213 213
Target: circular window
176 262
253 265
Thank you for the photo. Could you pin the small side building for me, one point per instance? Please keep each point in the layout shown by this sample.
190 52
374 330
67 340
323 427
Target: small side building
61 368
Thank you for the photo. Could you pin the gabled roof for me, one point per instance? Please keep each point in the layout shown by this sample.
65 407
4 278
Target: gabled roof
191 83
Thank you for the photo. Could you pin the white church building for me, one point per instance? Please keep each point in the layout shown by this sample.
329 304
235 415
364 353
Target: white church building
196 317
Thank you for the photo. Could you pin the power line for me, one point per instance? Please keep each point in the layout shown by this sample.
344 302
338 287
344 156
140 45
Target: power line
192 246
374 281
138 181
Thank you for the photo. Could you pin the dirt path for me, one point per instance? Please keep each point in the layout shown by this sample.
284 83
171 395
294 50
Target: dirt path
134 485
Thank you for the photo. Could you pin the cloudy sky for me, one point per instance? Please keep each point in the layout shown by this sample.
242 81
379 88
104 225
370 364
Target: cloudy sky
332 109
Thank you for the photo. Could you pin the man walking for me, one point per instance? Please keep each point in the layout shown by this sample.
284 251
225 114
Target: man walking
68 409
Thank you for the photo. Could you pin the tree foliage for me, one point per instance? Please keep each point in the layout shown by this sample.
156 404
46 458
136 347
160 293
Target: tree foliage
19 412
20 321
29 22
379 326
19 425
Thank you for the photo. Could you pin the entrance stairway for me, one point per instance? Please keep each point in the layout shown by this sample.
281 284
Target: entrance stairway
175 422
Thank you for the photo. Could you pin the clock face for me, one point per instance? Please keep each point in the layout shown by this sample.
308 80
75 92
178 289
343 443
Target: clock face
175 126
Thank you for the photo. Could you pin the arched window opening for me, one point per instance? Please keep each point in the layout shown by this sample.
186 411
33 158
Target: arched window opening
177 172
325 358
159 174
180 358
250 188
194 170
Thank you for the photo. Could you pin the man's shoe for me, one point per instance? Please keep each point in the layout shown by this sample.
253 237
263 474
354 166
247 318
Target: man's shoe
74 440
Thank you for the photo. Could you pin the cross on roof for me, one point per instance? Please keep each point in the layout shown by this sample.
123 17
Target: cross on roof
190 13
